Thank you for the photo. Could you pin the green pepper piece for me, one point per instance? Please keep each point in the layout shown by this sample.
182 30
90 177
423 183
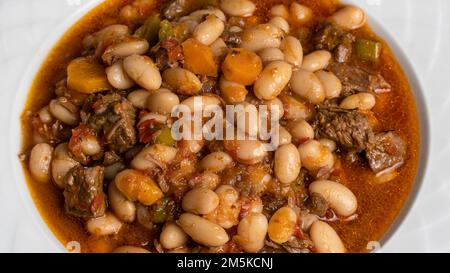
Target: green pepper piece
150 29
166 30
165 137
368 50
163 210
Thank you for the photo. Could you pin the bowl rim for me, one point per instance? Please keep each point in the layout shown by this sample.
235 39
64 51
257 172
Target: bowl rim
15 140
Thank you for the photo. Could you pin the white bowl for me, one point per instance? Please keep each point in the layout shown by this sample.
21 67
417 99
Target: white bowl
15 129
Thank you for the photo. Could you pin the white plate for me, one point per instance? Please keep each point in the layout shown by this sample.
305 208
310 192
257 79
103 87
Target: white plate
414 28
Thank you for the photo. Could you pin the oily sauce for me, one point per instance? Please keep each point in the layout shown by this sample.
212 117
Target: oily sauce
378 204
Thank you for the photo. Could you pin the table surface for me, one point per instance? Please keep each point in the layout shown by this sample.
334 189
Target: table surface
417 26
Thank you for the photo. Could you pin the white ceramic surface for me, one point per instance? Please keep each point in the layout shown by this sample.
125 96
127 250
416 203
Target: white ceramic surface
29 27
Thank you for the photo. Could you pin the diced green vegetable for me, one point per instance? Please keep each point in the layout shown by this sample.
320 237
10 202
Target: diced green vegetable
150 29
166 30
163 210
165 137
368 50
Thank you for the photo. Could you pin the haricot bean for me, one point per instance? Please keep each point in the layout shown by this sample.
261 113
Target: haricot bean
203 231
282 225
287 163
40 159
339 197
216 161
143 71
200 201
242 8
349 17
272 80
325 238
104 225
251 232
172 236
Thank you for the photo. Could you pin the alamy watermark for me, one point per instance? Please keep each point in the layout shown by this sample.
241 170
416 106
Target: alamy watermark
200 120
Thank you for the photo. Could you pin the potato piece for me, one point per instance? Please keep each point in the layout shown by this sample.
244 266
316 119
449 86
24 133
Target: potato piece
137 186
86 76
242 66
199 58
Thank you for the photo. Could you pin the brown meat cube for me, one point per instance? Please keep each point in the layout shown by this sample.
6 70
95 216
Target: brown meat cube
386 151
83 192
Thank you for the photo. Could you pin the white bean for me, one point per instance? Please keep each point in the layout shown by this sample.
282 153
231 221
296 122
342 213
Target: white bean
287 163
163 101
109 32
261 36
361 101
209 30
130 249
272 80
45 116
216 162
349 18
131 46
300 14
117 77
330 144
271 54
331 84
150 156
240 8
182 81
251 232
143 71
61 164
292 50
203 102
172 236
339 197
301 131
280 23
219 48
139 98
203 231
315 156
316 60
283 137
246 151
40 159
306 84
63 114
200 201
104 225
325 238
123 208
60 168
279 10
282 225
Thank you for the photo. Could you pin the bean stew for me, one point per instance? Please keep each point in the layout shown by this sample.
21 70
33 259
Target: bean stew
106 170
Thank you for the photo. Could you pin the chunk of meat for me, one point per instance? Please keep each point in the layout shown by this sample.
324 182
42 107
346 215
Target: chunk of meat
83 192
355 79
350 129
317 204
334 39
386 151
114 117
